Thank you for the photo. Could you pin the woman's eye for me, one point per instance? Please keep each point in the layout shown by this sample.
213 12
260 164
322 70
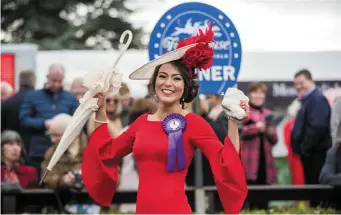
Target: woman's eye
162 76
178 78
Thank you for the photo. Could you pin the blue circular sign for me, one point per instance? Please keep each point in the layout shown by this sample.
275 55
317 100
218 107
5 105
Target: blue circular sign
184 21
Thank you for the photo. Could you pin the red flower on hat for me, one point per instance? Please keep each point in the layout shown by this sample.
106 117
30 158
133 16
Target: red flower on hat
201 55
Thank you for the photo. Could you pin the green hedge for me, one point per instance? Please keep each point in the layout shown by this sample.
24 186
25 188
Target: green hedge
274 211
292 211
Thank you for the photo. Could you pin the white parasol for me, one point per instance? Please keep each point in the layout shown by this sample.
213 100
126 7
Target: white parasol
96 82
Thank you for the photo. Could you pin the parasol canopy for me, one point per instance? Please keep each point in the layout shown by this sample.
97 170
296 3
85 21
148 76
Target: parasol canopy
106 81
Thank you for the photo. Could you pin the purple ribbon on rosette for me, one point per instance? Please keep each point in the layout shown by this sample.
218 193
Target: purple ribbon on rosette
173 125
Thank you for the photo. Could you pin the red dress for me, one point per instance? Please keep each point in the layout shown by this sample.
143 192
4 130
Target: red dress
160 191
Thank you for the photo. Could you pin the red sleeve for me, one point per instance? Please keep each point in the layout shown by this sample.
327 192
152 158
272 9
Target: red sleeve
225 163
34 174
101 161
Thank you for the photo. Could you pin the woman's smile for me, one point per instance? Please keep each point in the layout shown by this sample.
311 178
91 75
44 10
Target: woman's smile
167 92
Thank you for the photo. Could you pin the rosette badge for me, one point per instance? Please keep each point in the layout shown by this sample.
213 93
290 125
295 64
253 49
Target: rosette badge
174 124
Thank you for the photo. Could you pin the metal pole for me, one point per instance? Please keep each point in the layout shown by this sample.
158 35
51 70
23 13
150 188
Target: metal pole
200 204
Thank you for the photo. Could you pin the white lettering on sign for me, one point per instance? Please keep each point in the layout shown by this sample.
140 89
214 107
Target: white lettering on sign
169 43
282 90
221 45
218 73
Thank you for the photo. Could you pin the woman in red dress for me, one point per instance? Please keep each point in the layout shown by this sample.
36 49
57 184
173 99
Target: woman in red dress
163 143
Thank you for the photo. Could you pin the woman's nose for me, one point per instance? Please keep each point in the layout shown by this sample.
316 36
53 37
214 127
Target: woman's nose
168 82
17 148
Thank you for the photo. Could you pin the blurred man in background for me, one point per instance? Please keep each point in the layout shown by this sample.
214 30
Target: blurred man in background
6 91
310 137
77 88
126 101
335 121
11 107
40 106
216 116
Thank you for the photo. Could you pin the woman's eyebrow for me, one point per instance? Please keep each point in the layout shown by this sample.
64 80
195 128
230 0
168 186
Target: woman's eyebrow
176 75
171 75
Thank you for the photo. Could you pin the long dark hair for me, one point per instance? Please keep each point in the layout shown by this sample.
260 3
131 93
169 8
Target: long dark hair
191 85
8 136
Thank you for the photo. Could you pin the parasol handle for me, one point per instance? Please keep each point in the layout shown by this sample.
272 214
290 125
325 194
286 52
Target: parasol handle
42 178
126 45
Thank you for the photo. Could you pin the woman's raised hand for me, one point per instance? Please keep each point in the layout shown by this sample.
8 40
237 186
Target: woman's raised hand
101 101
245 106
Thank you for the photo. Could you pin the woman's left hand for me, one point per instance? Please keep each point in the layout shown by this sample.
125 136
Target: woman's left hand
245 106
270 129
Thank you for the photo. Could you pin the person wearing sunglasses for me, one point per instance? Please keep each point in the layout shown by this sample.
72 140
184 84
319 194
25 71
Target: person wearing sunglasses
113 110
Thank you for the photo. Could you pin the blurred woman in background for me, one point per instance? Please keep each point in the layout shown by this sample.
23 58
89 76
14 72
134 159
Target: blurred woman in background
113 110
13 170
63 175
259 137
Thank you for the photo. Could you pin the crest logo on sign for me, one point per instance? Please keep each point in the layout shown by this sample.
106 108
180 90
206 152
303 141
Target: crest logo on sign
185 20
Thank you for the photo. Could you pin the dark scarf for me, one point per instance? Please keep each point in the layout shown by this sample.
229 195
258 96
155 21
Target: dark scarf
260 108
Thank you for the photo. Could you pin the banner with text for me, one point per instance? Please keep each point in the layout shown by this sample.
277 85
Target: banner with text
185 20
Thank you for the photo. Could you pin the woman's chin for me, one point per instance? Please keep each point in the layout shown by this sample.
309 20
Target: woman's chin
14 159
168 100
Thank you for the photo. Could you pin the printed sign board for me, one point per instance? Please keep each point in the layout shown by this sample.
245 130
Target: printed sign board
183 21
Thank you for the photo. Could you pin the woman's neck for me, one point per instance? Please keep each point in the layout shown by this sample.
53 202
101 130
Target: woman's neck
111 115
258 107
164 111
8 163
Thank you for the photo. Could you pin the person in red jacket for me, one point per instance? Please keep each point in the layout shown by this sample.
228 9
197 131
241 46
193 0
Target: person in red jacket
295 165
13 170
164 143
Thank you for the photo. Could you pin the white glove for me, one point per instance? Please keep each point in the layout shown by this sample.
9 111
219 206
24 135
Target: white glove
231 103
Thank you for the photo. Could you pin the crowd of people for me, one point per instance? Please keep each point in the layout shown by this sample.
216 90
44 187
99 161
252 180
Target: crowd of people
33 122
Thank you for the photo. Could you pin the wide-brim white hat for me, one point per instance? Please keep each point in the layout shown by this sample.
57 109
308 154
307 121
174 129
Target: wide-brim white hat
146 71
203 54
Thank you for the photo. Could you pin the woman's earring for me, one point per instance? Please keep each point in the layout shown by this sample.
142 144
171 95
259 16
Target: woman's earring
156 99
183 103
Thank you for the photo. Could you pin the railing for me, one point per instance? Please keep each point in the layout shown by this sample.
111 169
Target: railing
14 201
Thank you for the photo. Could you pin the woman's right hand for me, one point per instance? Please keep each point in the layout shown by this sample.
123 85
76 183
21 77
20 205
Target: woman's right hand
261 126
68 179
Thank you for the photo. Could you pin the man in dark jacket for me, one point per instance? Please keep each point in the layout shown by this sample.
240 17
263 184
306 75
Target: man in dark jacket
39 107
310 137
11 107
331 173
217 117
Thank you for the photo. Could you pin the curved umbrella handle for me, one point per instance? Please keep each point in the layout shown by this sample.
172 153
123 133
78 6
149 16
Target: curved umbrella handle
126 45
81 115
